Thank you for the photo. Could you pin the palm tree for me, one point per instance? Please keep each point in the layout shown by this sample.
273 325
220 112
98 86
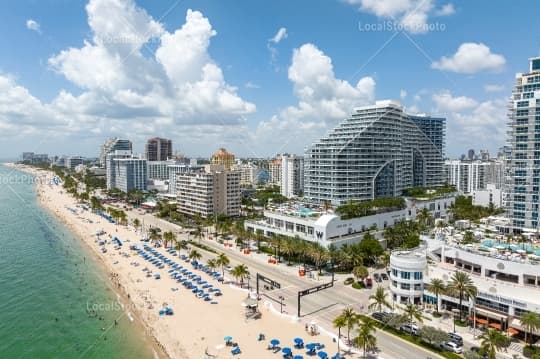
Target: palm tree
194 255
351 319
531 323
366 338
379 300
437 287
222 260
492 341
212 264
461 285
360 272
318 254
154 235
412 312
240 272
180 245
288 249
169 237
136 224
339 322
198 233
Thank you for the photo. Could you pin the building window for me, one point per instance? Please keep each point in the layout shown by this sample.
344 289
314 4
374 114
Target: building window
405 286
394 272
405 275
418 275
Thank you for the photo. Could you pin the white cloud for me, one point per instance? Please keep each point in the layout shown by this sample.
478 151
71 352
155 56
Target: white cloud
402 94
251 85
323 100
412 15
125 87
471 58
33 25
445 102
493 88
446 10
280 35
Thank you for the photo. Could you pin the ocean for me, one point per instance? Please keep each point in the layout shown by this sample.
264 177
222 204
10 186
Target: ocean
55 300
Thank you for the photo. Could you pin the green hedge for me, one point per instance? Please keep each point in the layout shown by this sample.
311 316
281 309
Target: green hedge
202 246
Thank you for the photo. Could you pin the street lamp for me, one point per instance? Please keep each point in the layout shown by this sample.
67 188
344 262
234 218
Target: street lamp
454 311
281 299
248 278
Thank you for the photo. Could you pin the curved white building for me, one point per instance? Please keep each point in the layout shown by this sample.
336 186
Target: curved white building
407 269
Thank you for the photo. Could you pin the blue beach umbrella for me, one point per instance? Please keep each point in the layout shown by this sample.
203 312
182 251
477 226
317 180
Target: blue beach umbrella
274 342
311 346
322 355
228 338
298 340
298 357
286 350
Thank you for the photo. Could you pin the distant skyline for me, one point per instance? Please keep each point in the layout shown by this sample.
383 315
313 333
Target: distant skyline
255 78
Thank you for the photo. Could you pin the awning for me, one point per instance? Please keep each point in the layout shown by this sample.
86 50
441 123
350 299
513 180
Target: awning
512 331
495 326
490 314
516 323
482 321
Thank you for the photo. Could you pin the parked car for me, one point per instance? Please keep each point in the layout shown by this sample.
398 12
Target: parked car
455 338
384 276
378 315
452 347
377 277
411 329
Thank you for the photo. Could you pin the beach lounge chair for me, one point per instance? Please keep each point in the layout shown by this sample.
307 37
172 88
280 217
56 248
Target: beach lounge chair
236 351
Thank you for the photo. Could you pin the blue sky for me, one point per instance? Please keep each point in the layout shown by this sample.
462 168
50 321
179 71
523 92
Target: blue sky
71 73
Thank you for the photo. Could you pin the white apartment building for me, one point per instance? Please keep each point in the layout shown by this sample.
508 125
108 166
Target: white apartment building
467 176
214 191
248 173
158 170
129 174
73 161
312 223
490 196
175 169
292 175
110 170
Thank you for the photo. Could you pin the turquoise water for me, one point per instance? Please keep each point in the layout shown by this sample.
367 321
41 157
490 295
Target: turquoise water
54 299
530 249
305 212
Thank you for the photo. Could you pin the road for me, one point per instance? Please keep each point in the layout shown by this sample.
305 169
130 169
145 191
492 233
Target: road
321 307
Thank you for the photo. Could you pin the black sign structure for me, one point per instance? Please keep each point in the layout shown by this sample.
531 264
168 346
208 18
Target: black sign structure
315 289
267 280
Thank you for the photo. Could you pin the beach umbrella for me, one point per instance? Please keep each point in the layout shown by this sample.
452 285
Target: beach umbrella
322 355
286 350
311 346
228 338
298 357
274 342
298 340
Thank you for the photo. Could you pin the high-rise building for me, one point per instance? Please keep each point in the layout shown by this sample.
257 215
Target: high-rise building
158 149
111 145
249 173
378 151
467 176
433 127
523 161
110 169
158 170
214 191
222 157
292 175
130 174
274 171
470 154
73 161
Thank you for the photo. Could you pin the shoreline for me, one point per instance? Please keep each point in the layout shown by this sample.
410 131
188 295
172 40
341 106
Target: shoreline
197 328
120 292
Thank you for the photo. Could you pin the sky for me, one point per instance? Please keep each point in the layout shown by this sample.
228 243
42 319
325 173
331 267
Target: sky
258 78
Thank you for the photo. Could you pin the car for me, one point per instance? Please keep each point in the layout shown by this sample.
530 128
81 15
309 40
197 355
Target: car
378 315
411 329
368 282
377 277
455 338
228 268
384 276
452 347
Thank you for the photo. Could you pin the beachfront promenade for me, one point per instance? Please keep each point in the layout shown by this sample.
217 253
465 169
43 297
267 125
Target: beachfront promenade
321 307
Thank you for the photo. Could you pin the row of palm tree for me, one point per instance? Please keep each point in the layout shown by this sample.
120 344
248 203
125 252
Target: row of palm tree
118 215
460 286
365 337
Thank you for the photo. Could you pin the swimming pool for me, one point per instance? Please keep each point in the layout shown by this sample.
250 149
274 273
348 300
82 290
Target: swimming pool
527 247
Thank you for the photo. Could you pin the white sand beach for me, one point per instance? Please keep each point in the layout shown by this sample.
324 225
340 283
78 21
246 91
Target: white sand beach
197 327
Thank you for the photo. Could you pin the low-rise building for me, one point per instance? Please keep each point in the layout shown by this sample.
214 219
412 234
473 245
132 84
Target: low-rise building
314 224
490 196
407 268
73 161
